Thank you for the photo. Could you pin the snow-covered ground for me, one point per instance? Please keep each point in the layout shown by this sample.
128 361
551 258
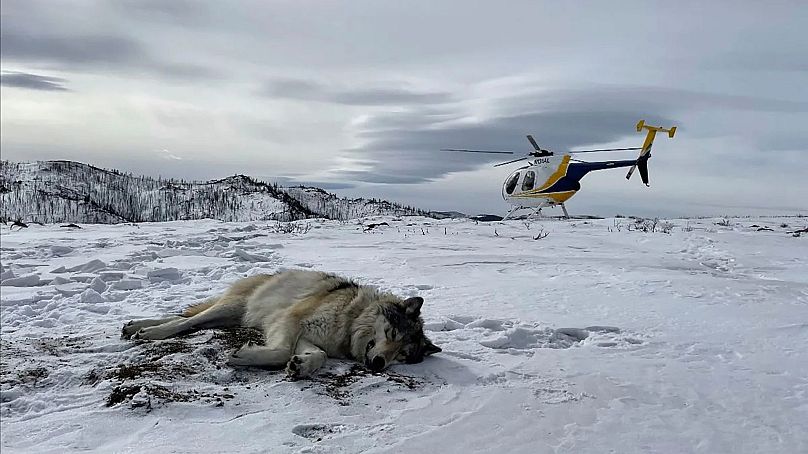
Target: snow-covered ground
597 338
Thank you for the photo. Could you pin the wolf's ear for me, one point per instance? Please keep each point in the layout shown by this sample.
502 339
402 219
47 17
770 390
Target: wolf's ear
412 306
430 348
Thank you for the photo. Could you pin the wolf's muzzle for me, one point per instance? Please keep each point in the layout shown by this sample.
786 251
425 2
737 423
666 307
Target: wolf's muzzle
376 364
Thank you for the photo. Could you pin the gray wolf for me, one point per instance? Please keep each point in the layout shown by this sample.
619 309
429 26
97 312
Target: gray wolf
305 316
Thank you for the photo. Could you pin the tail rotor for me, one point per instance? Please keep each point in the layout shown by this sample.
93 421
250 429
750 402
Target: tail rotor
645 154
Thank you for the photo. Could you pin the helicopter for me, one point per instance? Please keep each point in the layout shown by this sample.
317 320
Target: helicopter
550 179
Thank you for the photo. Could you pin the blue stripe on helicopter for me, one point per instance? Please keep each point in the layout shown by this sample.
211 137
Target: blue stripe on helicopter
577 170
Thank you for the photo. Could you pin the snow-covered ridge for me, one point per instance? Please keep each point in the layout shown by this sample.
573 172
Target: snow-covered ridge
68 191
331 206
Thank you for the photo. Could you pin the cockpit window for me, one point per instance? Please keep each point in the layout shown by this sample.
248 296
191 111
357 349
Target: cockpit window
530 178
511 184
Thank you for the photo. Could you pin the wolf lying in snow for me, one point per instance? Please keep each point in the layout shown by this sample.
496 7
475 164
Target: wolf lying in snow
306 316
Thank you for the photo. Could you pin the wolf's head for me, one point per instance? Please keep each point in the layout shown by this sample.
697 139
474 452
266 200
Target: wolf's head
396 335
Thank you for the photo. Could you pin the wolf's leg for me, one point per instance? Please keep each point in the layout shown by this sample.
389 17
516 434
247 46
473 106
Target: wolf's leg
259 356
307 359
134 326
224 314
280 336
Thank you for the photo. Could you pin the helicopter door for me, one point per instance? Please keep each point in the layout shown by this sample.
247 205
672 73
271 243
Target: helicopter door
530 179
511 184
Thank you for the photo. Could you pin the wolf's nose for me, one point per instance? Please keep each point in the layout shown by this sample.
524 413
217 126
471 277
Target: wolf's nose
377 364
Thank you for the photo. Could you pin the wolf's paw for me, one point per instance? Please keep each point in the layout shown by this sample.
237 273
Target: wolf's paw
149 333
129 330
294 368
301 366
243 356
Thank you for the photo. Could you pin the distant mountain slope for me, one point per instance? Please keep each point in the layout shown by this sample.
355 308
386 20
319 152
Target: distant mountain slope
67 191
333 207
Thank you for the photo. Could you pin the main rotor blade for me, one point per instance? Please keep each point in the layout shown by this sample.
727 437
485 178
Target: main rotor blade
476 151
604 149
533 142
509 162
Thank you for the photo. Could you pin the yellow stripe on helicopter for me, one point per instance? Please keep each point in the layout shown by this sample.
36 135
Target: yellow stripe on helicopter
560 173
558 197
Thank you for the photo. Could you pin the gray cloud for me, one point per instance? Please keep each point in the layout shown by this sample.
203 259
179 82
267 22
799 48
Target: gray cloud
413 156
110 53
307 90
32 81
34 34
656 98
59 49
404 147
173 12
761 60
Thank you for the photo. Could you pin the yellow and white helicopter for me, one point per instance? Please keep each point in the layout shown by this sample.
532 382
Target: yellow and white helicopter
550 180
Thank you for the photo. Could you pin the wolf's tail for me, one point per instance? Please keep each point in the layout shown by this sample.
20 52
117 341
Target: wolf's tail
200 307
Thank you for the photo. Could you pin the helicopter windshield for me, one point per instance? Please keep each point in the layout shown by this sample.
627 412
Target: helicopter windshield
511 184
530 178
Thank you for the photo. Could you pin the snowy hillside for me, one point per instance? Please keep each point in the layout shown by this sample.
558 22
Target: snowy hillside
586 336
66 191
330 206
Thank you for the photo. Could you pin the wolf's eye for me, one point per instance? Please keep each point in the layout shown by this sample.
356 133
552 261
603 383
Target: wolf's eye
392 334
371 344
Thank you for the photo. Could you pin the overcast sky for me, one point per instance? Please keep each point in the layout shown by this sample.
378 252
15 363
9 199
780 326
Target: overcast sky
359 96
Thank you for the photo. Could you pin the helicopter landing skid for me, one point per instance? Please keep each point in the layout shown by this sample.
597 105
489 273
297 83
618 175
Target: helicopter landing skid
519 208
535 212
